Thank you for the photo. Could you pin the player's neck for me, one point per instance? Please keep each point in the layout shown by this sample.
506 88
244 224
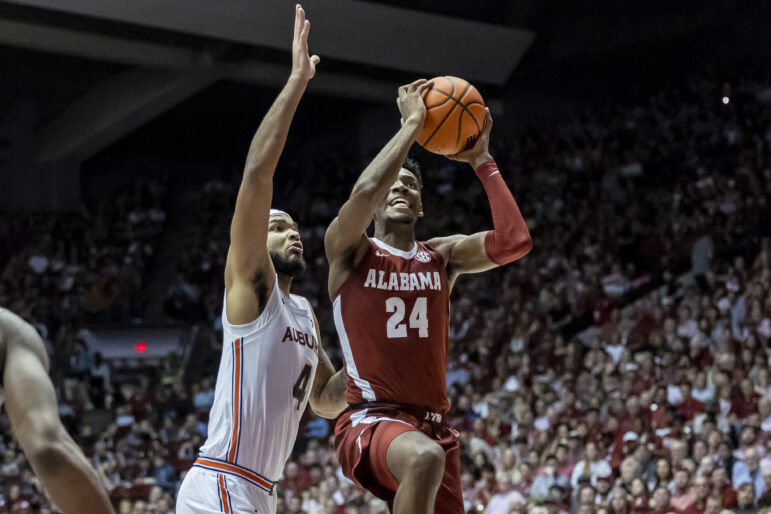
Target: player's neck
400 236
285 284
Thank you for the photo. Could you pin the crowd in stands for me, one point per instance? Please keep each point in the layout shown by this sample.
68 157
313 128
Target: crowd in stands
60 269
622 366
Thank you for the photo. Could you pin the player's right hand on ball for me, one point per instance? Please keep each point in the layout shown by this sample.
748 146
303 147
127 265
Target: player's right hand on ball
410 101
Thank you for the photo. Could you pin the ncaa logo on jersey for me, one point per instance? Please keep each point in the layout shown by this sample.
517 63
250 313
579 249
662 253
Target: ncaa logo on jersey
423 256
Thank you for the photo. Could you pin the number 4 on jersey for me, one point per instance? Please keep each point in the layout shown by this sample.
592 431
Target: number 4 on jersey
418 318
301 386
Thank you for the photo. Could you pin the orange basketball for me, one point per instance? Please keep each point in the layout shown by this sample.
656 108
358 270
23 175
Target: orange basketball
455 114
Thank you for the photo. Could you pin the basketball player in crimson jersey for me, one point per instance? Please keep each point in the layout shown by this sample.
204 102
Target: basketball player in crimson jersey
272 361
69 479
391 308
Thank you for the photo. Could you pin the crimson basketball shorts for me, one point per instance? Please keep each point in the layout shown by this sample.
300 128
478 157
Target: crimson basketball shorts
362 436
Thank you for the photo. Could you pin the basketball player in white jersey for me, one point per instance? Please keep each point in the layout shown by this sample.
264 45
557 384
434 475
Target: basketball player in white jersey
68 477
272 360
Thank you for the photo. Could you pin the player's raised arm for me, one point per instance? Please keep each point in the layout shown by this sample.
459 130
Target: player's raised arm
347 230
508 241
70 480
249 267
327 397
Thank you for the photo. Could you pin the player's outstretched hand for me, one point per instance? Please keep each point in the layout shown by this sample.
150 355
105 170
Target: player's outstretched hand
303 65
479 153
410 101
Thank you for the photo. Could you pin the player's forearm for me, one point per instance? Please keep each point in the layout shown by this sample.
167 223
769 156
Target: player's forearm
268 142
510 239
71 482
384 168
329 402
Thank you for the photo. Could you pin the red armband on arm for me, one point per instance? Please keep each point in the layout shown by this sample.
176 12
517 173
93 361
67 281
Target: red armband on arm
510 239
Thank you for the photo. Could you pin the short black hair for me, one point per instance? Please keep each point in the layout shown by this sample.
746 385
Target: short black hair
412 166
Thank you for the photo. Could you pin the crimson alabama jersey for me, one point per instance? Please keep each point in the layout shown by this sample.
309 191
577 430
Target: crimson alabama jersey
393 318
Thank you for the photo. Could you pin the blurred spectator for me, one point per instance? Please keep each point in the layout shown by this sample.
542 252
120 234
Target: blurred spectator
506 499
683 495
746 498
590 466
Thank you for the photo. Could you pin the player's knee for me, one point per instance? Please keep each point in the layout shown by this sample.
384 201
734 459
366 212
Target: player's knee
427 462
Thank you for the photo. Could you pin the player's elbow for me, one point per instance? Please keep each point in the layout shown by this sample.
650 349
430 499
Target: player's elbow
523 245
257 177
327 409
46 443
326 413
516 245
507 247
367 189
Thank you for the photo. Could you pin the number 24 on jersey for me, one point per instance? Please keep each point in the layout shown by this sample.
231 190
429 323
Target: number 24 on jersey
395 328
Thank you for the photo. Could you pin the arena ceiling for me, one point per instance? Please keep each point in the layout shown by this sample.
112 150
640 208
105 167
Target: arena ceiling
69 60
156 53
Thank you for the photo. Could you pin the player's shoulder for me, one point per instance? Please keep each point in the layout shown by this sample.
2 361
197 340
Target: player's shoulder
438 242
443 245
301 302
13 329
247 307
16 335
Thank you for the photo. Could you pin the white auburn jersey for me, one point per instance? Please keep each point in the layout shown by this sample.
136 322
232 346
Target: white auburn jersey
265 377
